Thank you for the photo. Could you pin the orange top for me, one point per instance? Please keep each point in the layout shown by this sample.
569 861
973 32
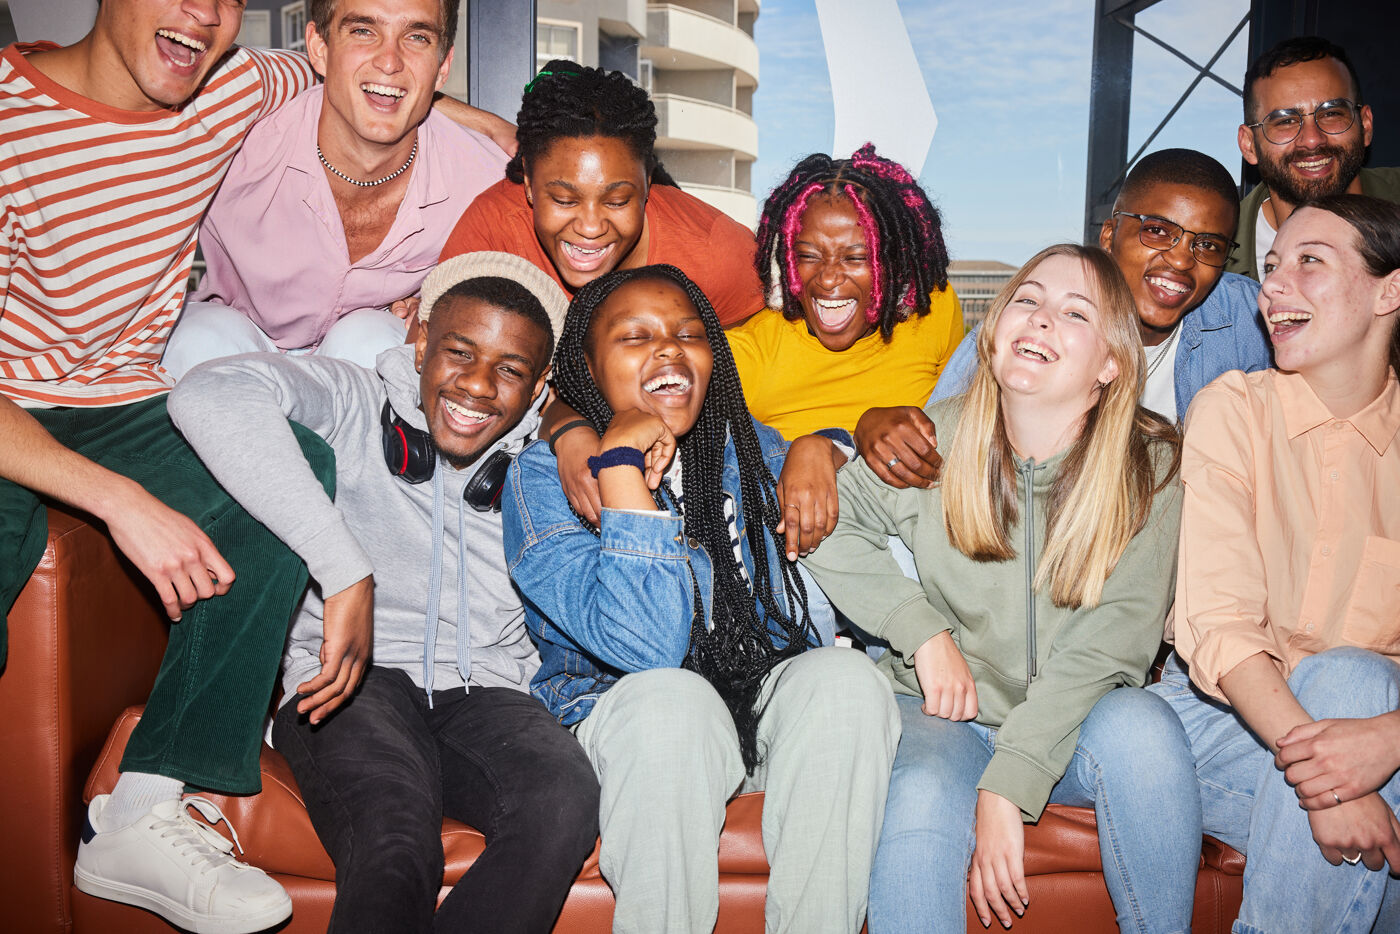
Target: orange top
709 247
1290 526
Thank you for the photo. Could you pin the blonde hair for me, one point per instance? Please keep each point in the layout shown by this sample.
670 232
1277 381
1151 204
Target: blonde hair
1103 493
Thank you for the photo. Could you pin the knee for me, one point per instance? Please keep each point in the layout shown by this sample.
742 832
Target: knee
361 336
842 691
1346 682
1132 730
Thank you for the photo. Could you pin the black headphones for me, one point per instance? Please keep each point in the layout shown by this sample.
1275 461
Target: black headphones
410 454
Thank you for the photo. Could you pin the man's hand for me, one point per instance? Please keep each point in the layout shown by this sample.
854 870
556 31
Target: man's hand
1365 827
997 880
1350 758
345 651
949 691
807 494
900 444
406 308
167 547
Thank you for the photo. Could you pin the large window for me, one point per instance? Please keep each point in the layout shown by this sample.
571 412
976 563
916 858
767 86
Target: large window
556 39
294 25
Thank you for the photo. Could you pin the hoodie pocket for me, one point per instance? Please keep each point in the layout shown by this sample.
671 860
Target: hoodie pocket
1372 618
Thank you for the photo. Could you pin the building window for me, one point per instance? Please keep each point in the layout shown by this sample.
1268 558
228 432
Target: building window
256 31
294 26
644 74
555 39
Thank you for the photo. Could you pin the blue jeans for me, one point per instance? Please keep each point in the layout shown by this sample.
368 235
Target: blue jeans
1148 816
1246 802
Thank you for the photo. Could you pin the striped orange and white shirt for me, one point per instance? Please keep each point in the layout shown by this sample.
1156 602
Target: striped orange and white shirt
101 209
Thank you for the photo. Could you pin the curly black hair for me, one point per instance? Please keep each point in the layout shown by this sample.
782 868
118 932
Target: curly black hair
752 630
903 233
569 100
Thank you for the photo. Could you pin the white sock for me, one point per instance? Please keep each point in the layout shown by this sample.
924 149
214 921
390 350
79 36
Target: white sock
135 794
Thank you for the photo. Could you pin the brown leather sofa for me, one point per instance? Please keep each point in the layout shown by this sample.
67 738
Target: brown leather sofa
85 640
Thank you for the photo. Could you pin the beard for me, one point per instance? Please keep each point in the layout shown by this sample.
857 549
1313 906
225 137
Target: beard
1286 186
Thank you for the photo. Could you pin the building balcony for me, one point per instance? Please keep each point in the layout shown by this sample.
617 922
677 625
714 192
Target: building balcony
623 17
690 123
738 204
683 39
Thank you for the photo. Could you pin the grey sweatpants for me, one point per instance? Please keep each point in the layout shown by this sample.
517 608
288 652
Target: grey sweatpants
667 757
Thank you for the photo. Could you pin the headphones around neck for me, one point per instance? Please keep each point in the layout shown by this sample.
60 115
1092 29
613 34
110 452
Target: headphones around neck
410 455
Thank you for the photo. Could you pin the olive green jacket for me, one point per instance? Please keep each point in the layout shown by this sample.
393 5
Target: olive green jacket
1378 183
1039 668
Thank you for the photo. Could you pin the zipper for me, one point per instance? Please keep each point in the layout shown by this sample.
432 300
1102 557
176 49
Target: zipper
1028 481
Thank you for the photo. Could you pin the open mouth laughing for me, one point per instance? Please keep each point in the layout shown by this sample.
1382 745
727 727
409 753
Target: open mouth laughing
1033 350
585 259
182 50
1284 323
1167 290
466 417
833 314
385 95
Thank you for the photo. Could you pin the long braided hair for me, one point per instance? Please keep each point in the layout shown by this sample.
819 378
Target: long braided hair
568 100
752 630
903 233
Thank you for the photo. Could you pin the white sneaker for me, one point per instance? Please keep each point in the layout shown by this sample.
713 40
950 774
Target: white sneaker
171 864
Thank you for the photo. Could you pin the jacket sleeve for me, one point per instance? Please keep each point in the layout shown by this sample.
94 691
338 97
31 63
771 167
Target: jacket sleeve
957 373
625 597
858 573
1094 651
234 412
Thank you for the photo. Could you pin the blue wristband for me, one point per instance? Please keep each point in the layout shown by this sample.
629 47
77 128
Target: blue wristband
617 457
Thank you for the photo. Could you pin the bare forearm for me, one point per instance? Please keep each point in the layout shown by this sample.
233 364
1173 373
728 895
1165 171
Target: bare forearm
1260 695
34 459
498 129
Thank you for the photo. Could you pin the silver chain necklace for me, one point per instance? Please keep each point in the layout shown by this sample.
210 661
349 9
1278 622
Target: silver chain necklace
1163 353
378 181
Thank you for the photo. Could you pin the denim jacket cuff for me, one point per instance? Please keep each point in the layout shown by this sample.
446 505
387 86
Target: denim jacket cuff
649 534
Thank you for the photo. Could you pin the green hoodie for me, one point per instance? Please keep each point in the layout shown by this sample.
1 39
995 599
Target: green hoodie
1039 668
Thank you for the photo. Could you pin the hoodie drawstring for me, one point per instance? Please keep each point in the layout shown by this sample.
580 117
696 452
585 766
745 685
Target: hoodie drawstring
431 616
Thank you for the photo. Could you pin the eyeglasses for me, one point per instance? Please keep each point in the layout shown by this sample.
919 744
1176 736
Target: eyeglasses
1332 118
1158 233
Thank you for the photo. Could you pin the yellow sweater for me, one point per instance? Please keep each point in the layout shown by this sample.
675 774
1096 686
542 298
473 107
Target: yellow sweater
797 386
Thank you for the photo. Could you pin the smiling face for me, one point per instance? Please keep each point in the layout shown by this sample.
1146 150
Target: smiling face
1166 284
1048 341
482 366
156 53
647 350
1315 164
835 270
589 198
382 61
1323 308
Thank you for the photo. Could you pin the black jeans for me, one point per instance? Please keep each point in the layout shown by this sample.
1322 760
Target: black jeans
379 776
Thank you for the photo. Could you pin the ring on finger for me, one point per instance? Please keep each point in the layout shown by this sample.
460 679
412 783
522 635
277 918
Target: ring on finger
1337 799
891 462
1352 860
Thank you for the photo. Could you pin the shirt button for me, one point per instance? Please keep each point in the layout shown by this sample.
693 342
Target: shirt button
1334 475
1308 627
1326 551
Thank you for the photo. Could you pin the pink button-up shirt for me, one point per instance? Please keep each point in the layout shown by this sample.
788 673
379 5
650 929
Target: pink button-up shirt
1290 526
274 243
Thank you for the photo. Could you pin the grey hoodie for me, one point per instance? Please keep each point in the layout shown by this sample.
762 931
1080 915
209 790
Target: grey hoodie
234 412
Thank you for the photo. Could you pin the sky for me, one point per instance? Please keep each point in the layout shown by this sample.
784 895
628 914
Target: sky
1009 81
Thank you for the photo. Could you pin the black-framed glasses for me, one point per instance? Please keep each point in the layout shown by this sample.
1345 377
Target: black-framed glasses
1158 233
1332 118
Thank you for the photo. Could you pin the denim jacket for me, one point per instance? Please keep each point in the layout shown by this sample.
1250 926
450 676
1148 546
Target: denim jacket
602 606
1224 333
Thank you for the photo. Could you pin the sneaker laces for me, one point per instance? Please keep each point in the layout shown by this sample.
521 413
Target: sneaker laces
199 843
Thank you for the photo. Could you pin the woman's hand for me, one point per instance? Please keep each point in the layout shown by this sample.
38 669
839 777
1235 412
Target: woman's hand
807 493
900 444
345 651
949 691
1350 758
1365 827
997 880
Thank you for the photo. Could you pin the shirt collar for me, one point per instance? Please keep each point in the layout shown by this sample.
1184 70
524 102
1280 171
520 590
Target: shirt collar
1303 411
